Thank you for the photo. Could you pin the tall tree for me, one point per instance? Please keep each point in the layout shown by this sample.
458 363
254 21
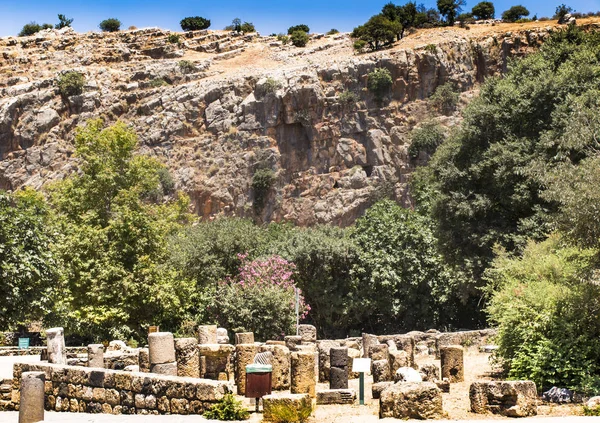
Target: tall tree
450 9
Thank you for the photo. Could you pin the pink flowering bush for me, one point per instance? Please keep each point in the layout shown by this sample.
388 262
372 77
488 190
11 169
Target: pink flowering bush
260 299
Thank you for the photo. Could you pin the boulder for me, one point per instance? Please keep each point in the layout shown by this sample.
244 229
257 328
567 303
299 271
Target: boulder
377 388
299 403
507 398
381 371
429 372
558 395
308 333
411 401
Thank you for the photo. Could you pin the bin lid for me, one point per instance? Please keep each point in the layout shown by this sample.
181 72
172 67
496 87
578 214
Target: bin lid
259 368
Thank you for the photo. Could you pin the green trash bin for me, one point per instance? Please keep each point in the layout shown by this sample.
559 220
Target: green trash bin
258 381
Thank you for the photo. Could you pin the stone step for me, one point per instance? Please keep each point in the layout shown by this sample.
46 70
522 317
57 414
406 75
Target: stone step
229 54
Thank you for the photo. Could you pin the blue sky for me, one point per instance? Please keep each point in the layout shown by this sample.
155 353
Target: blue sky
268 16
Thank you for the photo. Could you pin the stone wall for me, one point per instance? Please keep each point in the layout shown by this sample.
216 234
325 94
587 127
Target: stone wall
79 389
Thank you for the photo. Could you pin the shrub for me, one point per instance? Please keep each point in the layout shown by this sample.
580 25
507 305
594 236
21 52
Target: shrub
283 38
71 83
262 181
227 409
286 413
110 25
515 13
157 82
185 66
425 138
47 26
299 38
379 82
431 48
561 11
260 298
445 98
194 23
247 27
30 29
359 45
333 31
348 98
63 21
173 38
544 307
303 28
270 86
587 411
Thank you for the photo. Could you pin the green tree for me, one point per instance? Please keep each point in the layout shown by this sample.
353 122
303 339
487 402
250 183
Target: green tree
514 13
378 32
302 27
379 82
30 29
236 25
323 256
28 268
63 21
110 25
112 244
450 9
426 138
487 174
247 27
194 23
561 11
403 283
484 10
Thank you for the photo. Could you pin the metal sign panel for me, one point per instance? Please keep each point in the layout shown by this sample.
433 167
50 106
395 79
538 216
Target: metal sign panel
361 365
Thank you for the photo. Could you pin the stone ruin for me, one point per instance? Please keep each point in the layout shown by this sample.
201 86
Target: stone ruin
188 375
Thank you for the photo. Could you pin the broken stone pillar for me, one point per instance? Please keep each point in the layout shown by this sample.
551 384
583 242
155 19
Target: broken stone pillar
452 361
216 361
207 334
187 356
381 371
292 342
274 403
379 352
338 372
367 341
244 338
244 355
162 353
515 398
281 366
324 347
55 339
31 405
222 336
421 401
144 360
95 355
308 333
303 379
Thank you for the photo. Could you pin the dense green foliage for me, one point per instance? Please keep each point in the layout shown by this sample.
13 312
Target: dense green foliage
262 181
444 99
425 138
31 28
194 23
515 13
302 27
379 83
63 21
110 25
227 409
378 32
71 83
484 10
113 239
28 270
450 9
561 11
546 307
299 38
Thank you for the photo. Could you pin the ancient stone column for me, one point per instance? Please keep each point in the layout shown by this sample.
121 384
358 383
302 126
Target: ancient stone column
281 365
292 342
162 353
308 333
244 355
244 338
452 361
207 334
367 341
222 336
55 339
338 371
303 374
144 360
187 356
95 355
31 406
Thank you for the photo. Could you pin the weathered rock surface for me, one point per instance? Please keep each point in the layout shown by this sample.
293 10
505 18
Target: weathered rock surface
215 124
411 401
508 398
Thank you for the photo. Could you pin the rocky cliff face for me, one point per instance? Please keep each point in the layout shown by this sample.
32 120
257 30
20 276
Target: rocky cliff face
248 103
